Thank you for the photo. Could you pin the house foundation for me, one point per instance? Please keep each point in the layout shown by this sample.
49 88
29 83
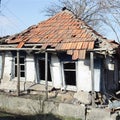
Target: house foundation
30 106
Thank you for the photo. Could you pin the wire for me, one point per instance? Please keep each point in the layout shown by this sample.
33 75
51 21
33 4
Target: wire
15 26
15 16
2 7
9 20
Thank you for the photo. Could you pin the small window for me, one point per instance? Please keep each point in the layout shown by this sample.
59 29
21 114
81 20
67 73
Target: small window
22 66
69 73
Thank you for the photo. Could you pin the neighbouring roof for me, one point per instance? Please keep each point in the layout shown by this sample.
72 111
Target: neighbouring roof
63 32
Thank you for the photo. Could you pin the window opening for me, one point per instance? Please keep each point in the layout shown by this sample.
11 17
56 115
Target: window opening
22 66
70 73
42 70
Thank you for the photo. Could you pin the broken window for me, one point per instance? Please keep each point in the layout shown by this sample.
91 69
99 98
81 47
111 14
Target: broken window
22 66
69 73
42 70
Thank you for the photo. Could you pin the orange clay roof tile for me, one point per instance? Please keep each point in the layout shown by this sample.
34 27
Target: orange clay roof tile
79 45
75 54
90 45
85 45
20 44
73 46
69 52
82 54
63 32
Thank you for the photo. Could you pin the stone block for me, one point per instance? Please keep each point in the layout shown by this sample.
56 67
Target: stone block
50 107
70 110
98 114
83 97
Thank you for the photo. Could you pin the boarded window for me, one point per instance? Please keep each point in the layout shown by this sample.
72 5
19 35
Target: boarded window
70 73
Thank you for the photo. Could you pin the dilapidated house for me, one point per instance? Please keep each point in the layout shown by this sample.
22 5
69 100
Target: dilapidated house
64 52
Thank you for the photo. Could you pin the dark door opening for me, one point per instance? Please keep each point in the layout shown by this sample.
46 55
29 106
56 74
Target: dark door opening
70 73
42 70
110 80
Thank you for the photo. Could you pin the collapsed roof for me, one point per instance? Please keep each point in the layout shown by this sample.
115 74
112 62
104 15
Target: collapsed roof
63 32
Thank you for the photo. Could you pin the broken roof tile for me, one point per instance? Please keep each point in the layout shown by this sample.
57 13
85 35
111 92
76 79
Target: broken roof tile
85 45
44 46
82 54
74 45
63 31
75 54
79 45
54 45
90 45
69 52
20 45
68 46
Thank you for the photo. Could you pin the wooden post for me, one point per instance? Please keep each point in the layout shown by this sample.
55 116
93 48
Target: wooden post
18 73
46 74
92 77
3 63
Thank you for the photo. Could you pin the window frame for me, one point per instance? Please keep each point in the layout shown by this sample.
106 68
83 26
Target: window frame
42 81
21 64
67 86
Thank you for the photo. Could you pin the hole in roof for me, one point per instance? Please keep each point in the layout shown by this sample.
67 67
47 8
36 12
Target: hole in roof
91 34
47 37
73 35
13 38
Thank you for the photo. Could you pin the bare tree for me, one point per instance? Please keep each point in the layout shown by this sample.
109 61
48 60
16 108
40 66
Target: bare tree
100 14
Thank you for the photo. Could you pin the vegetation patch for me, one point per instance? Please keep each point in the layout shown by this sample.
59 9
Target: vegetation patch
6 116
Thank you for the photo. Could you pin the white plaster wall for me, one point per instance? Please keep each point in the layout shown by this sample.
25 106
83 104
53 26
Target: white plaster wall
83 75
56 73
84 81
7 66
30 68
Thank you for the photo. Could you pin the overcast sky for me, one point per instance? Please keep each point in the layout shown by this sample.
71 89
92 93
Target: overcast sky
17 15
